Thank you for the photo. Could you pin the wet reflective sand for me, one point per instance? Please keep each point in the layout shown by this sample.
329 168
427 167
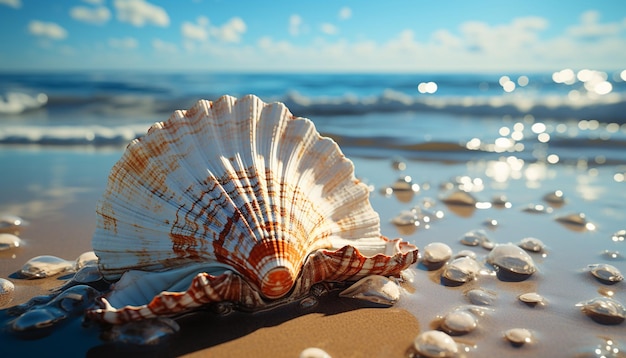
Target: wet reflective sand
59 205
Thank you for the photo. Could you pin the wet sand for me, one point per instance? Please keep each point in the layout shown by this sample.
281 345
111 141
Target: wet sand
56 191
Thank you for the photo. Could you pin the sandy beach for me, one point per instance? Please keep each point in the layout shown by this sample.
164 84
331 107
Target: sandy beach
55 190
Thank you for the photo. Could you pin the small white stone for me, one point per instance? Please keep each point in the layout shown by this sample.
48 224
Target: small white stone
314 352
435 344
6 291
519 336
9 241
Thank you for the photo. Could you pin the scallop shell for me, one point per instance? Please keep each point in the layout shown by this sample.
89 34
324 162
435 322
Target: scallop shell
243 200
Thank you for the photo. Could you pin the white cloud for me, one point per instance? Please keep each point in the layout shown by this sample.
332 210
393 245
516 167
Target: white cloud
48 30
12 3
198 31
230 31
123 43
345 13
295 22
329 29
98 15
139 13
590 26
163 46
94 2
202 31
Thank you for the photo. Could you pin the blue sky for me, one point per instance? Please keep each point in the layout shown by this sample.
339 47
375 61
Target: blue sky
323 35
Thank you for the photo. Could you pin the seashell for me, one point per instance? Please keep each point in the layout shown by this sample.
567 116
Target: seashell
45 266
605 273
7 288
374 288
435 344
9 241
603 310
512 263
234 200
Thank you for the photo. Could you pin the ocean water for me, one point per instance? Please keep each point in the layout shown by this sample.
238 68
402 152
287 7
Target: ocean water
564 116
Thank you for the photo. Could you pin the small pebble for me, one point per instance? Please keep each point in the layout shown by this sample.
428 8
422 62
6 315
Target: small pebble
461 270
518 336
436 254
460 198
45 266
11 223
537 209
314 352
481 297
405 218
531 244
86 258
532 299
619 236
435 344
9 241
603 310
477 237
605 273
469 253
7 290
511 262
374 288
555 197
459 322
576 220
501 201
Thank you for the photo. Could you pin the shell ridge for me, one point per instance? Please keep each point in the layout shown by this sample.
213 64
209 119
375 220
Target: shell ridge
247 185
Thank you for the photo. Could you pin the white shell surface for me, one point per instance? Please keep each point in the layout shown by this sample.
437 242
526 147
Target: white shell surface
227 183
234 200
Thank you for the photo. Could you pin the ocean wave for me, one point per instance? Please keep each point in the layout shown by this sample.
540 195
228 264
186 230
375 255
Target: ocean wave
606 108
71 135
18 102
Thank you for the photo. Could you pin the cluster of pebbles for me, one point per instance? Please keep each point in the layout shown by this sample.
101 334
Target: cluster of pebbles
510 262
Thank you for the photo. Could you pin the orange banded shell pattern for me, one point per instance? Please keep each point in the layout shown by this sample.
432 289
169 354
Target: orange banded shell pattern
245 187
